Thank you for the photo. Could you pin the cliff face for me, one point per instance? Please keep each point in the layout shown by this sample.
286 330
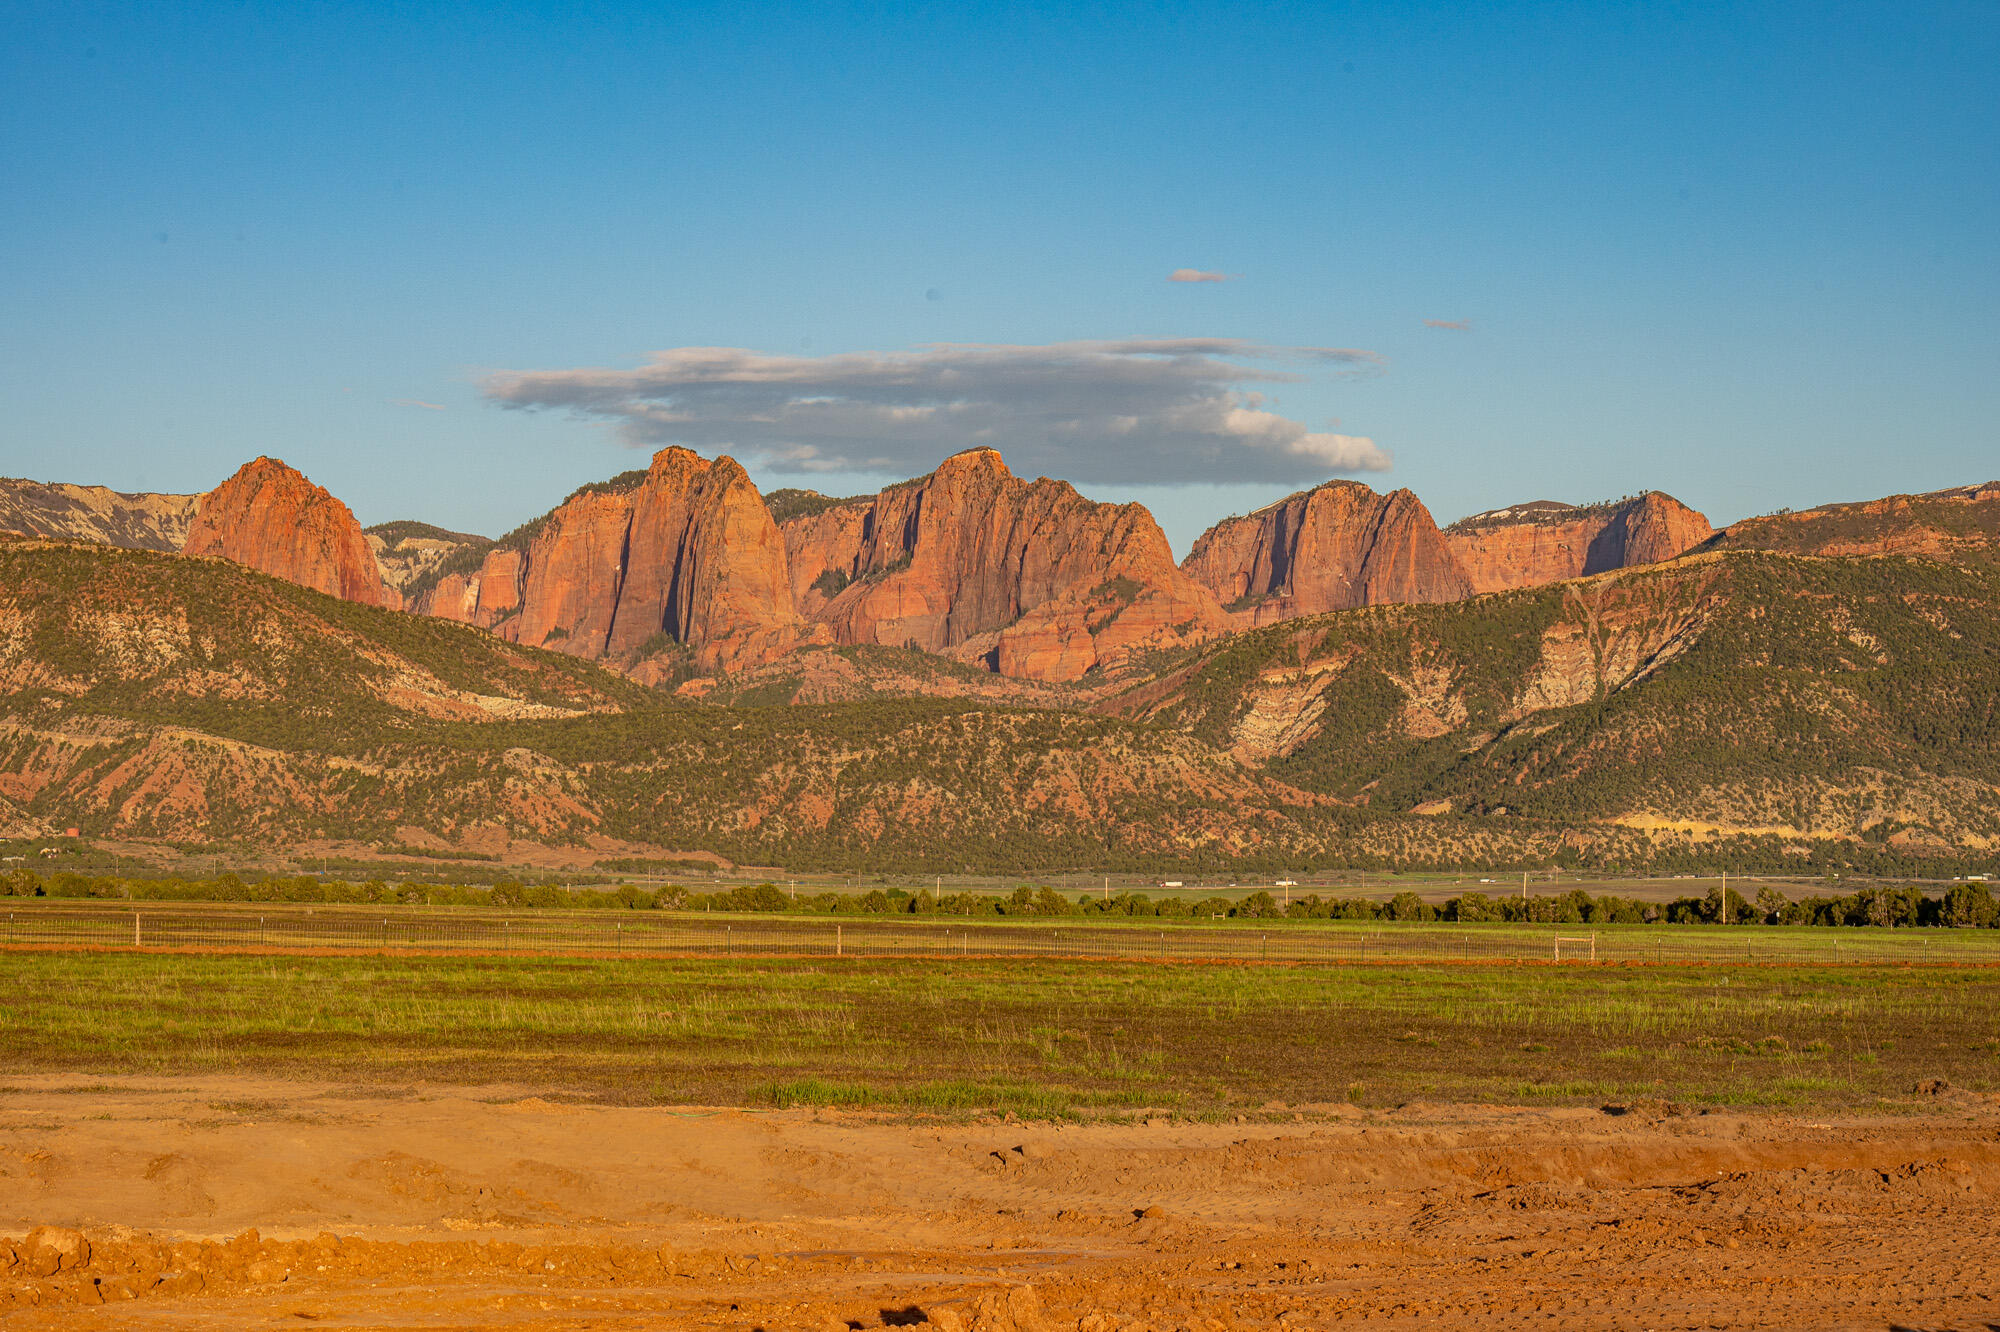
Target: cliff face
59 511
1544 542
685 555
270 518
1961 525
1331 548
1029 578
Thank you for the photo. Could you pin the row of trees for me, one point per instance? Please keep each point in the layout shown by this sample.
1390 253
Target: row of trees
1962 905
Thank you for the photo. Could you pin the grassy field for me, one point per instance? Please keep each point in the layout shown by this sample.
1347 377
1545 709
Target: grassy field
1039 1038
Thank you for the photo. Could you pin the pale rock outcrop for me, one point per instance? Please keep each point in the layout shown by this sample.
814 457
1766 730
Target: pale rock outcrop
59 511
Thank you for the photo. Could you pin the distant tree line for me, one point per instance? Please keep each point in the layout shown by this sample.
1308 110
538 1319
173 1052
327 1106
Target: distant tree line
1967 905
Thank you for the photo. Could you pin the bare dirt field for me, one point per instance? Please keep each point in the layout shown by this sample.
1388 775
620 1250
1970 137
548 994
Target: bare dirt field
246 1202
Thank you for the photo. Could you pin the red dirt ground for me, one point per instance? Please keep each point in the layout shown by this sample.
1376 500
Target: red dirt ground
224 1203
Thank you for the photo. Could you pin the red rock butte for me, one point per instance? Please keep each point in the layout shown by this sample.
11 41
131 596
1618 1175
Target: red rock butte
1335 547
271 518
682 567
1027 577
1545 542
685 557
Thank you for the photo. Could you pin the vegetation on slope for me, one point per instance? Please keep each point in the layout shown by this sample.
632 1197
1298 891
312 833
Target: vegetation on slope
1849 698
1962 525
1750 710
792 503
406 529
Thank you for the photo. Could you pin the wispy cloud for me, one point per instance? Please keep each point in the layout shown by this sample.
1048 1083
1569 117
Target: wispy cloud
1164 410
1199 275
1456 325
419 402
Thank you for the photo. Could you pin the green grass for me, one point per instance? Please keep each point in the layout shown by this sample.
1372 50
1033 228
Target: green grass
166 922
1042 1038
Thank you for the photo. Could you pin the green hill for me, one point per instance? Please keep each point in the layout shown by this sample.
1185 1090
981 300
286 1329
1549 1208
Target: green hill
1810 699
1752 709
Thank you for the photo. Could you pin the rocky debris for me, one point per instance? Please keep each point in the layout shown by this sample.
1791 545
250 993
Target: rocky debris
47 1250
1018 1309
1030 579
681 557
271 518
1335 547
1527 545
58 511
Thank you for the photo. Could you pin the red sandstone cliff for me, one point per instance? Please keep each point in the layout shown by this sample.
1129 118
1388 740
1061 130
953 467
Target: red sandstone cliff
1030 578
1961 524
1544 542
270 518
1331 548
684 554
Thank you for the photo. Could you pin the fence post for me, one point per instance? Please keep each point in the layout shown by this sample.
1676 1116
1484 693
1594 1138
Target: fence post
836 941
135 928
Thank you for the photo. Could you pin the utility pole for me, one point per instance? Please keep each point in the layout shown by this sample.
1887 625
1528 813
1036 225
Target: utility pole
1725 897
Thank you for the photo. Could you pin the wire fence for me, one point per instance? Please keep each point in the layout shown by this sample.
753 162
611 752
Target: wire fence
287 928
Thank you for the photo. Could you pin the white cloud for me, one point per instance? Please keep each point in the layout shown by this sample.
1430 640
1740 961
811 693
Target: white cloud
418 402
1199 275
1456 325
1165 411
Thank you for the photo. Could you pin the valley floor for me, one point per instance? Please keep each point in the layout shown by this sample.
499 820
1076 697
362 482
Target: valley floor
243 1202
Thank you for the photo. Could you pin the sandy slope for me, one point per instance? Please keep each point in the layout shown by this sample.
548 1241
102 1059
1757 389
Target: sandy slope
494 1208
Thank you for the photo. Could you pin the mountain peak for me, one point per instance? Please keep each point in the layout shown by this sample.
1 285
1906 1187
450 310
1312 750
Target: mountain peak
270 517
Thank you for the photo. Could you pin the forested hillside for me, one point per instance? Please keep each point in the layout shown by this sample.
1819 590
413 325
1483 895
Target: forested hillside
1791 697
1751 709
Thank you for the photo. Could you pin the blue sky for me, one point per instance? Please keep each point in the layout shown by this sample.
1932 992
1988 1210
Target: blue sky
1745 254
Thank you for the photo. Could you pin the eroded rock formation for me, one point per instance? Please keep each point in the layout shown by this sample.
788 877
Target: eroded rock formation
269 517
1527 545
681 556
1030 578
1335 547
1960 525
